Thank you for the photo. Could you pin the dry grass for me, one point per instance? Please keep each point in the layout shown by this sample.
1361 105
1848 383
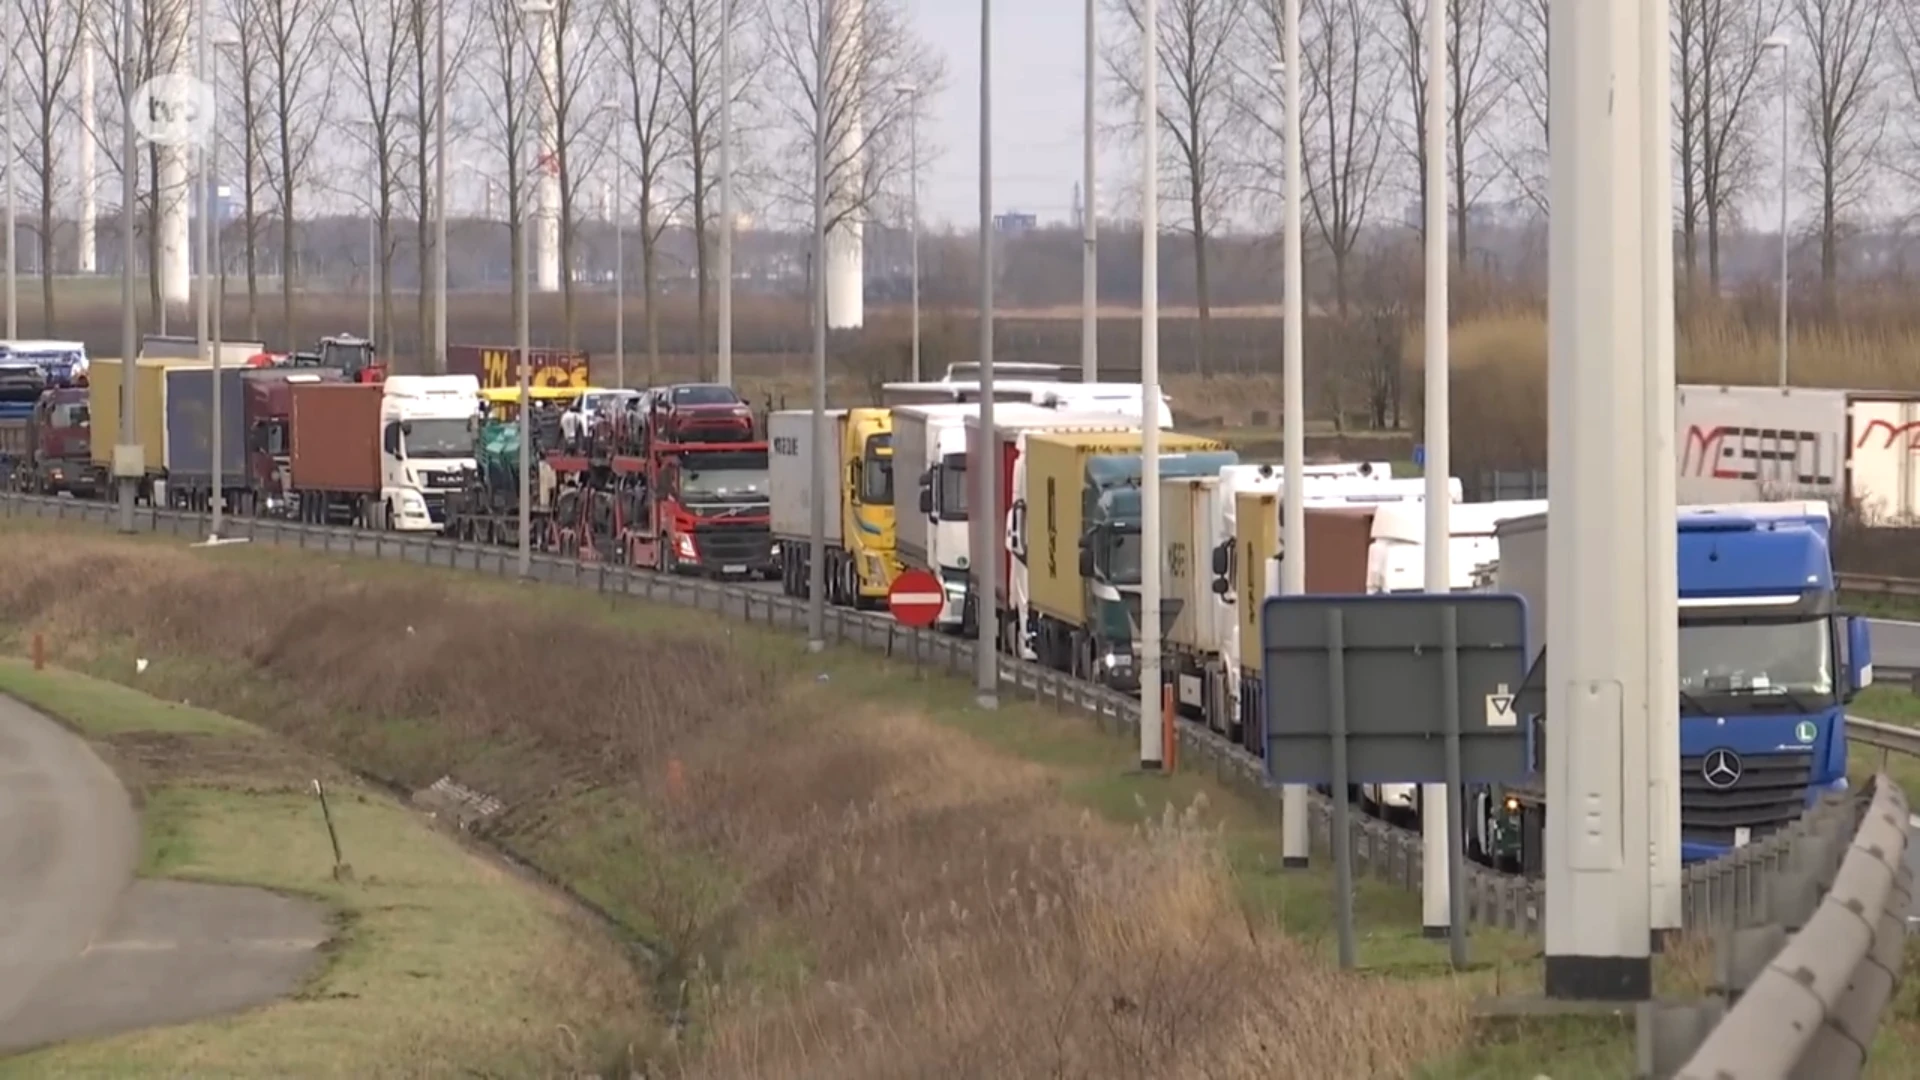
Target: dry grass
1500 372
832 886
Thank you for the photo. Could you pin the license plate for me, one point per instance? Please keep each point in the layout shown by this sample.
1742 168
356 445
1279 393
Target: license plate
734 570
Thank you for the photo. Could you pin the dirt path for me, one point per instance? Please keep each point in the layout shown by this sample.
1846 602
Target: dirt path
88 950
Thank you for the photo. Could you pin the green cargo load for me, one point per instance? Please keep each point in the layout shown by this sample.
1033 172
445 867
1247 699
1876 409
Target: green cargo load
497 451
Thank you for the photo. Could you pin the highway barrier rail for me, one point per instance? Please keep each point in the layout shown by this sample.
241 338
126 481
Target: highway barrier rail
1802 993
1879 585
1726 893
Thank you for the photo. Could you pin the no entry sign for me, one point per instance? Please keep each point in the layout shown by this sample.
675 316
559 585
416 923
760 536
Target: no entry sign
917 598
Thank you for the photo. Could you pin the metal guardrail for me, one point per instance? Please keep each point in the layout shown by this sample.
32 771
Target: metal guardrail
1890 737
1802 993
1719 894
1878 585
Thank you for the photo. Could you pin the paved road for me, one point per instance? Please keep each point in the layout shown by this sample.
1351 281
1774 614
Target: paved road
1896 644
68 840
85 949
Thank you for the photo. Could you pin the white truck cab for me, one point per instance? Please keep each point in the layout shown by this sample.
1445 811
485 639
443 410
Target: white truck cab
426 446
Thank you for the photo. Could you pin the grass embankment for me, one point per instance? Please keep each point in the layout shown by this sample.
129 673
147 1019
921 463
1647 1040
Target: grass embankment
440 961
842 870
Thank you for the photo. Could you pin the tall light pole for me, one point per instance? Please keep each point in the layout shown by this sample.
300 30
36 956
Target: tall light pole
726 193
535 12
1600 611
1439 822
373 230
440 190
619 248
1152 752
911 94
1089 218
13 215
1779 43
822 461
203 255
127 466
1295 840
984 527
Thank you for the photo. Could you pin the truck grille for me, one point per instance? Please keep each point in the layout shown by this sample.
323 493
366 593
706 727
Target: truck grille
734 545
436 507
1771 792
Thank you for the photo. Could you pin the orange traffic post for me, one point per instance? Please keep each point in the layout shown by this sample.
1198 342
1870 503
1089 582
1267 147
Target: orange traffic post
39 653
1169 742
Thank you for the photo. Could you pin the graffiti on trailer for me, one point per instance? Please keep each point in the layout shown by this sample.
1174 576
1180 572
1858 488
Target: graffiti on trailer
1766 455
1910 430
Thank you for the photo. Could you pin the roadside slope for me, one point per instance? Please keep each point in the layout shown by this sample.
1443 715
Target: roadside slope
841 870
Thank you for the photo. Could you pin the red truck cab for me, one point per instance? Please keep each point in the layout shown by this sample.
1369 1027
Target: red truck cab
268 411
61 445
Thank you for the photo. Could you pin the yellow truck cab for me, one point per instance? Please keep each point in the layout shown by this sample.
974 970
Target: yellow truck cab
861 562
867 448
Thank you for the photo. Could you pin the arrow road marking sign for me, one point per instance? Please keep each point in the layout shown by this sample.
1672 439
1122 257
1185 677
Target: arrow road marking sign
1500 708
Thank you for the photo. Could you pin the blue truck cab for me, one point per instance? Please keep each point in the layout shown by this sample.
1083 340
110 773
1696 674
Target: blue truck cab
1767 664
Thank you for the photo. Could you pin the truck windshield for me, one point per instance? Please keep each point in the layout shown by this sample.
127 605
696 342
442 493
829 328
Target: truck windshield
1751 659
723 485
1123 558
876 472
73 414
443 437
950 484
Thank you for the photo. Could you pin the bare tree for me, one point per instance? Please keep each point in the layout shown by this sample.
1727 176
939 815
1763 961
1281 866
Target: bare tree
249 54
46 43
1523 68
505 79
1716 63
1342 128
292 34
695 73
1476 84
1842 108
372 38
577 46
1199 115
1905 41
641 38
158 34
866 120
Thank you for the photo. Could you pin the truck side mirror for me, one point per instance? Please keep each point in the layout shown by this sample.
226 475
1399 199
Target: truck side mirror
1859 655
1086 561
1222 552
926 501
1223 589
853 478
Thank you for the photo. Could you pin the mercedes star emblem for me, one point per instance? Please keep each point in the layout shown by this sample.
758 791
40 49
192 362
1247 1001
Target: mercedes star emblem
1721 769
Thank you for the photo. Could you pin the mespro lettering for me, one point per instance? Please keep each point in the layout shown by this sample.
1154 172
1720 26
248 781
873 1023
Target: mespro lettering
787 446
1768 455
1910 431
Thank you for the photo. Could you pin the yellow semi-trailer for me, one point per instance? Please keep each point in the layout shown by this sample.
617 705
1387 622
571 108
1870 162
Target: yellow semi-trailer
150 411
1080 512
861 562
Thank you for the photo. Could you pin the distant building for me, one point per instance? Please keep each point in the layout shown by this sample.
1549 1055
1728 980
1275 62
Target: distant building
1015 223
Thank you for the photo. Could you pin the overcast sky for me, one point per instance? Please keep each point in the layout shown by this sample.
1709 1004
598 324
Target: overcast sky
1037 88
